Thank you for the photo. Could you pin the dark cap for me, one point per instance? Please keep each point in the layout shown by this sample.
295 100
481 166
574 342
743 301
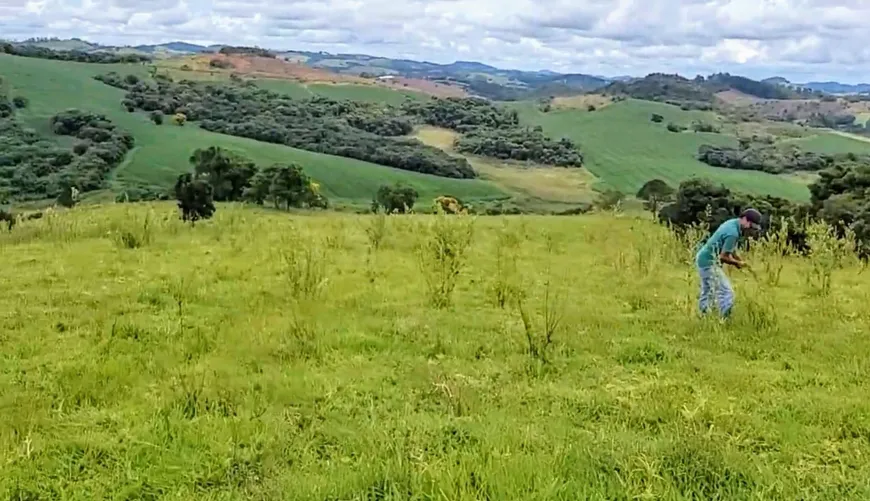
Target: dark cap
753 216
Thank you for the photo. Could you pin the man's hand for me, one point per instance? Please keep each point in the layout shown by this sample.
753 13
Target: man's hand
731 259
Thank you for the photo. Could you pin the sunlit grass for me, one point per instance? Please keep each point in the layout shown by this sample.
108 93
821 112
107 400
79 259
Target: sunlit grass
261 355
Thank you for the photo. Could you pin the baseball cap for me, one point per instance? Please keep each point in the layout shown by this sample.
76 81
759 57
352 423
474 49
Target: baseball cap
753 216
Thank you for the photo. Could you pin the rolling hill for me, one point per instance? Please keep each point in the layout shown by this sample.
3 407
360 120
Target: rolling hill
162 152
624 149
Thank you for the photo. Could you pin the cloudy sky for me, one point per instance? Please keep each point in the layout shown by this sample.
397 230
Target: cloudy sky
800 39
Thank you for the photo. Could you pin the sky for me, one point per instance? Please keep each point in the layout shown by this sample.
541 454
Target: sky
802 40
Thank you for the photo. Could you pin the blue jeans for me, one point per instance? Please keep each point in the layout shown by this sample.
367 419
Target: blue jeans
715 282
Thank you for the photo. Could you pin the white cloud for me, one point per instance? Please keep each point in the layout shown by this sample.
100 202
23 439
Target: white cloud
799 39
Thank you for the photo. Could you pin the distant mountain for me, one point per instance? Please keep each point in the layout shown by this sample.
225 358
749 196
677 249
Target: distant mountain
699 92
478 78
776 81
825 87
183 47
837 87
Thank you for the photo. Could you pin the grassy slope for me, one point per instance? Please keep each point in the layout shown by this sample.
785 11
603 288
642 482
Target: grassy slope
625 149
111 391
541 186
834 142
162 152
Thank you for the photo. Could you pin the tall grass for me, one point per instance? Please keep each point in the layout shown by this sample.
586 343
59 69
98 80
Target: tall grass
251 358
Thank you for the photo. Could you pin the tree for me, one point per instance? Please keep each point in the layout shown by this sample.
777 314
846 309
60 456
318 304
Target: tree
396 198
9 218
228 173
68 197
157 117
653 193
194 196
285 185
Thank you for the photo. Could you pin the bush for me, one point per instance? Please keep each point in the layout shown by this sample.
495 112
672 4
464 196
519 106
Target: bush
157 117
699 126
194 196
657 118
397 198
675 127
20 102
653 193
220 63
609 199
285 186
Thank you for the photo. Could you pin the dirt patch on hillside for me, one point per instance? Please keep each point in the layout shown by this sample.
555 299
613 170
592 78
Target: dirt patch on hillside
425 86
737 98
583 101
790 109
265 67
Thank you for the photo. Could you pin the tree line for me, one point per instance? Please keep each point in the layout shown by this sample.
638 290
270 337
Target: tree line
773 159
221 175
371 132
840 197
35 167
493 131
98 57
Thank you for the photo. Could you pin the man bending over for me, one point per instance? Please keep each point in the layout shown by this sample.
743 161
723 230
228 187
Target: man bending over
721 247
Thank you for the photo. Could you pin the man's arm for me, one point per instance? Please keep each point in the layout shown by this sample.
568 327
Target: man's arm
729 254
732 259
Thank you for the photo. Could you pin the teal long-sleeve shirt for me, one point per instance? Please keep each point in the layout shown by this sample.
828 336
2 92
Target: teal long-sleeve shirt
724 239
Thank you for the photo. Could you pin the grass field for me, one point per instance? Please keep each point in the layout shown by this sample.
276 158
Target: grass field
542 186
624 149
162 152
258 356
834 142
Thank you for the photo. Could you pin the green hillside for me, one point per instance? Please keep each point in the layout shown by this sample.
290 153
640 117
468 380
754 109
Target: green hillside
161 152
833 143
623 148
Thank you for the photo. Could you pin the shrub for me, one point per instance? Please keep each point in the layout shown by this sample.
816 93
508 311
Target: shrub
396 198
194 196
448 205
609 199
657 118
653 193
20 102
157 117
285 186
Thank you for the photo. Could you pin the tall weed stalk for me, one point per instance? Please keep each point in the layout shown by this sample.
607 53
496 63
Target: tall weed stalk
304 266
827 254
541 328
504 282
442 254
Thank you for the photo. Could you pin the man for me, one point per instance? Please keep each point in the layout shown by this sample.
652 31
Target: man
722 247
